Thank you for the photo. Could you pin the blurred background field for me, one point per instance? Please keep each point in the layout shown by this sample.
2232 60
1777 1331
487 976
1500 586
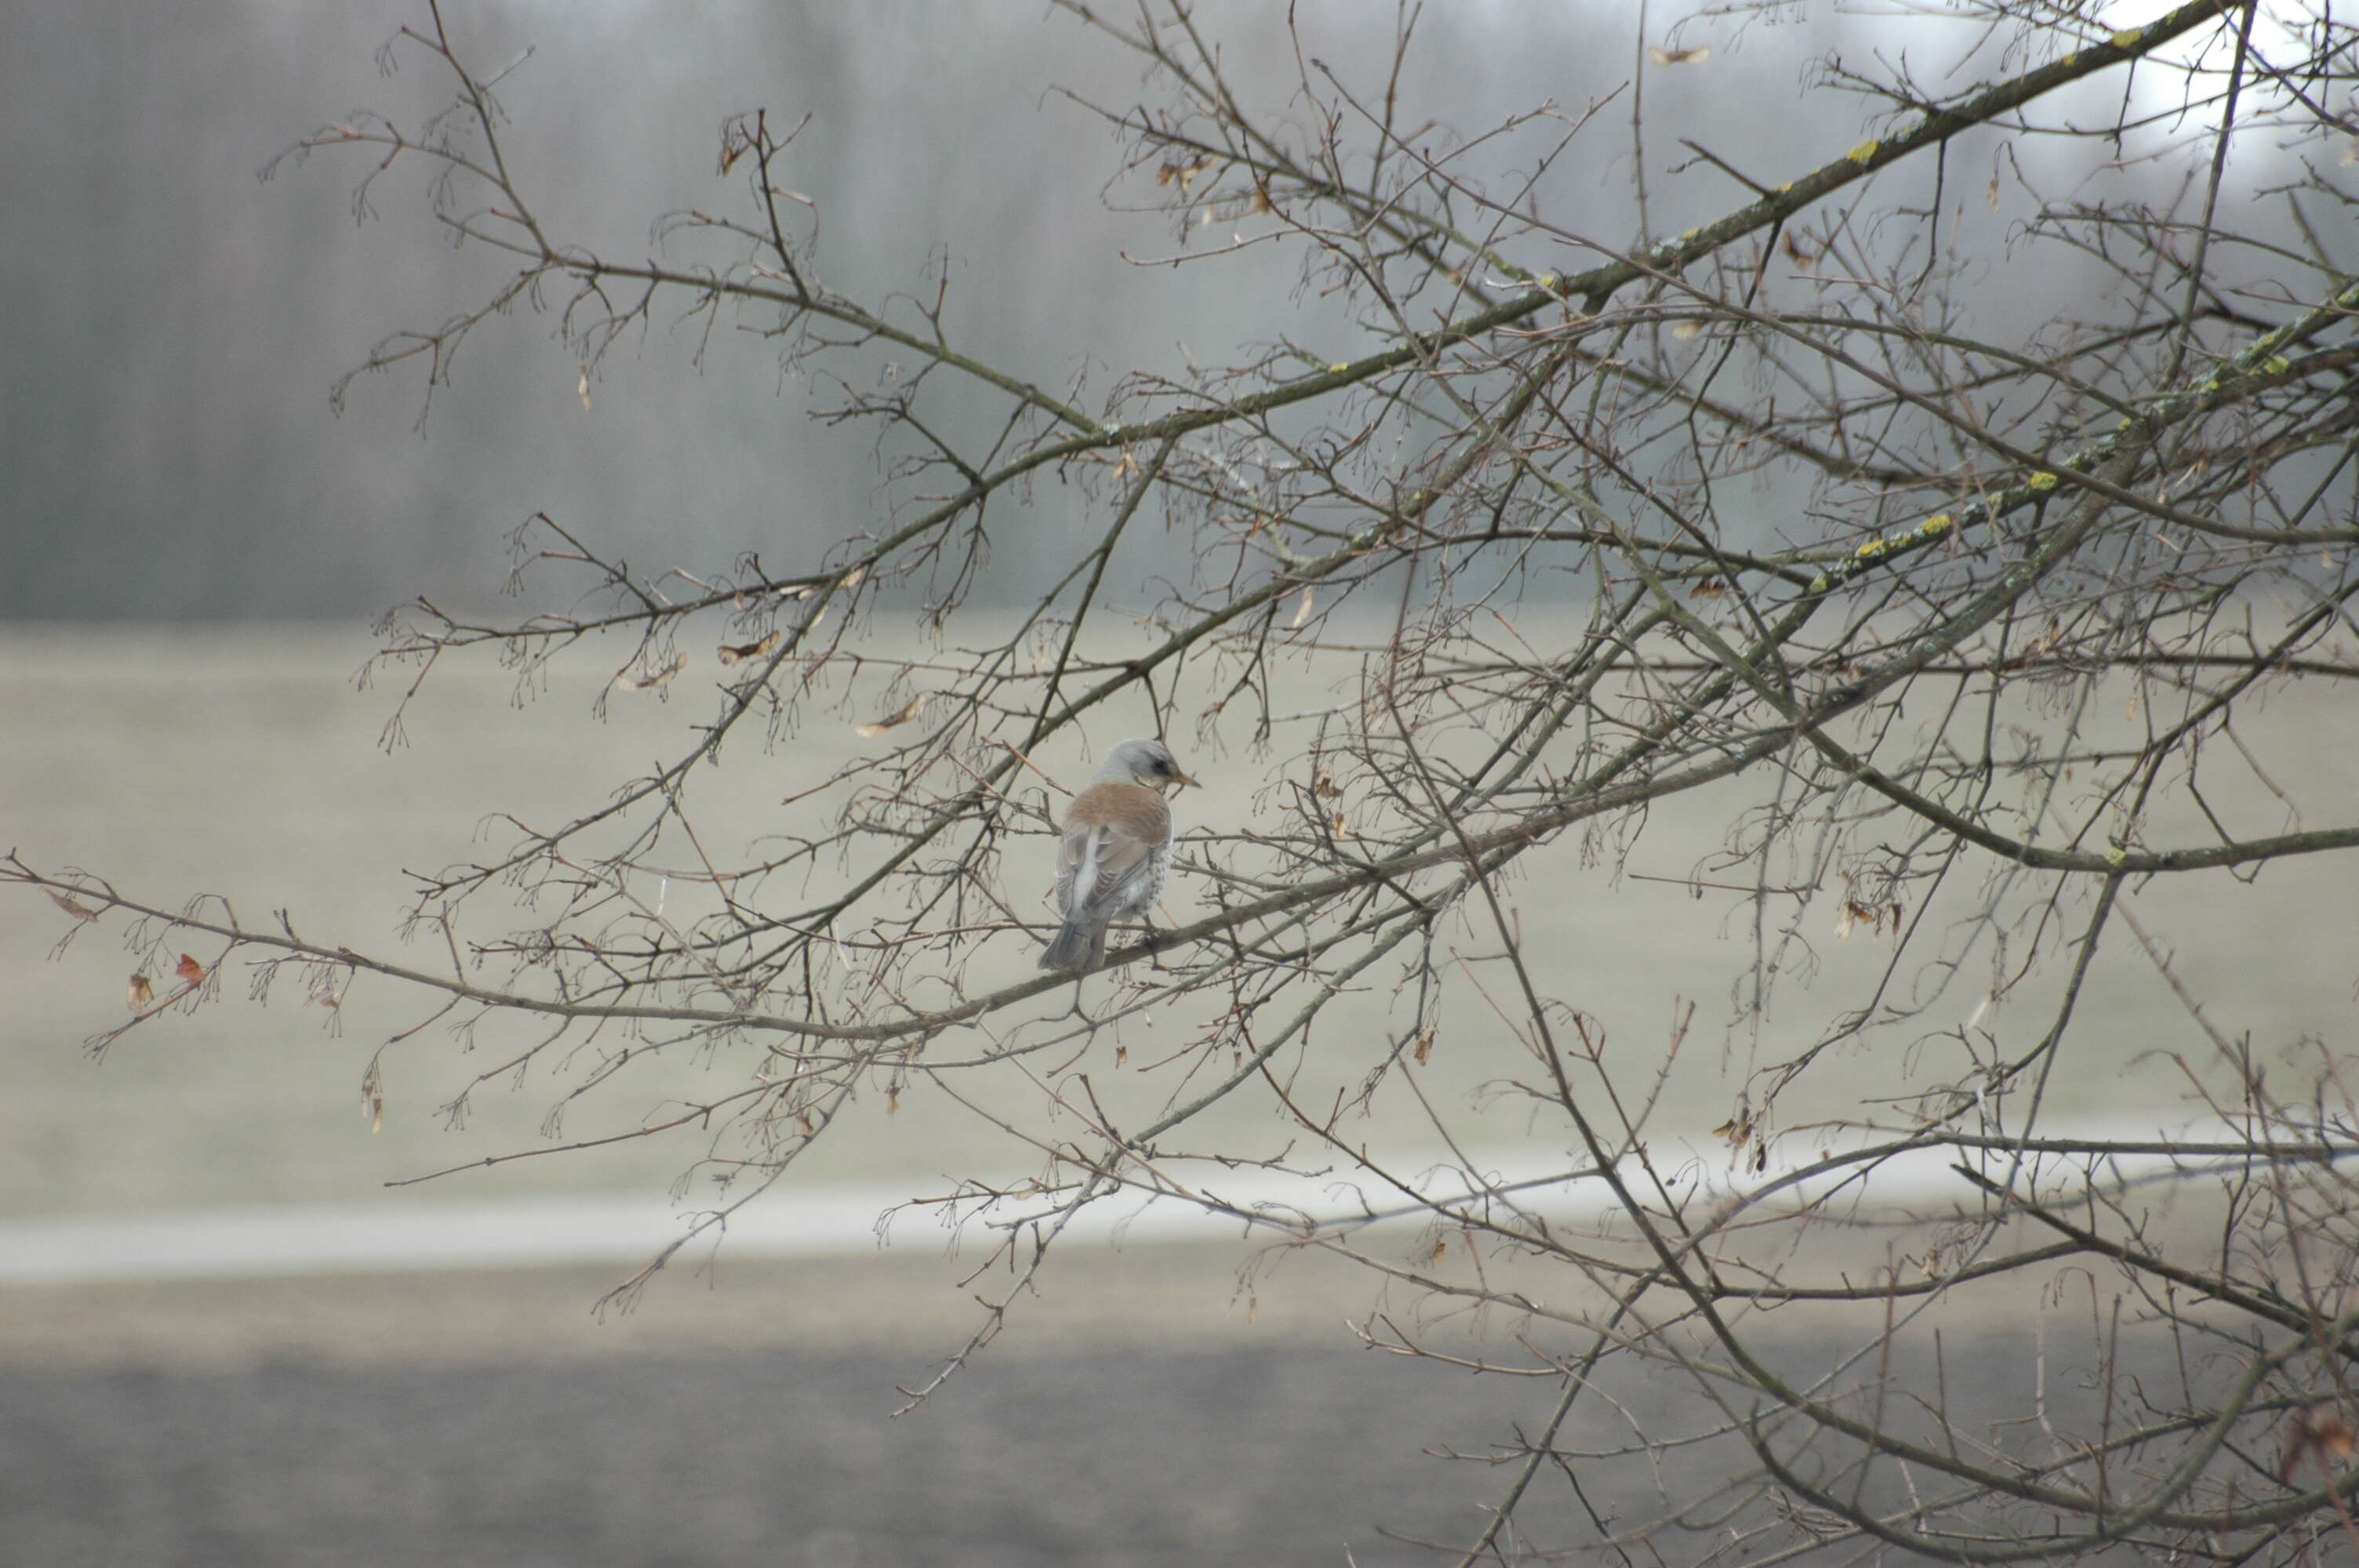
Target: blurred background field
488 1415
243 761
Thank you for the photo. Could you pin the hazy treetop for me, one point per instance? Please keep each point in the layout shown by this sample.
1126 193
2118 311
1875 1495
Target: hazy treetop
166 447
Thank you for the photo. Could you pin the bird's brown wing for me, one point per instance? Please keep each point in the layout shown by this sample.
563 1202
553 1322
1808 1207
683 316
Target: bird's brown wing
1113 859
1115 829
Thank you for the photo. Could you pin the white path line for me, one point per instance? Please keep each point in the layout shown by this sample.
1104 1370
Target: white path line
399 1235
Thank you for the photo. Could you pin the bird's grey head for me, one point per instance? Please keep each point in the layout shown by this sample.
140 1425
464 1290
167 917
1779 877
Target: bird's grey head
1144 760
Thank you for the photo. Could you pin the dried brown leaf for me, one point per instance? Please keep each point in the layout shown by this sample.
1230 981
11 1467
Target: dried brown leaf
909 710
731 652
633 680
1181 174
2316 1431
72 905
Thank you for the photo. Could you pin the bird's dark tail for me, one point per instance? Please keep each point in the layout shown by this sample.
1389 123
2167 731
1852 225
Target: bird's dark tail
1078 945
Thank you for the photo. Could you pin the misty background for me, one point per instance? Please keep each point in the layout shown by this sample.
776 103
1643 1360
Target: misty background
175 324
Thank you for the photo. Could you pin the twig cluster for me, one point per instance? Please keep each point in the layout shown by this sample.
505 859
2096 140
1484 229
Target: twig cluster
1597 522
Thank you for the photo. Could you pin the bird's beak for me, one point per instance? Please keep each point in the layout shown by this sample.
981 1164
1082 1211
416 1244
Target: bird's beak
1183 780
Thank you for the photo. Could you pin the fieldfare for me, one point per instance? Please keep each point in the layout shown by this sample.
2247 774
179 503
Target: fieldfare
1116 852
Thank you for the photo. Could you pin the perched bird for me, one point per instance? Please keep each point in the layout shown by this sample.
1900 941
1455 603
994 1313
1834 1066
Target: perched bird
1116 851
